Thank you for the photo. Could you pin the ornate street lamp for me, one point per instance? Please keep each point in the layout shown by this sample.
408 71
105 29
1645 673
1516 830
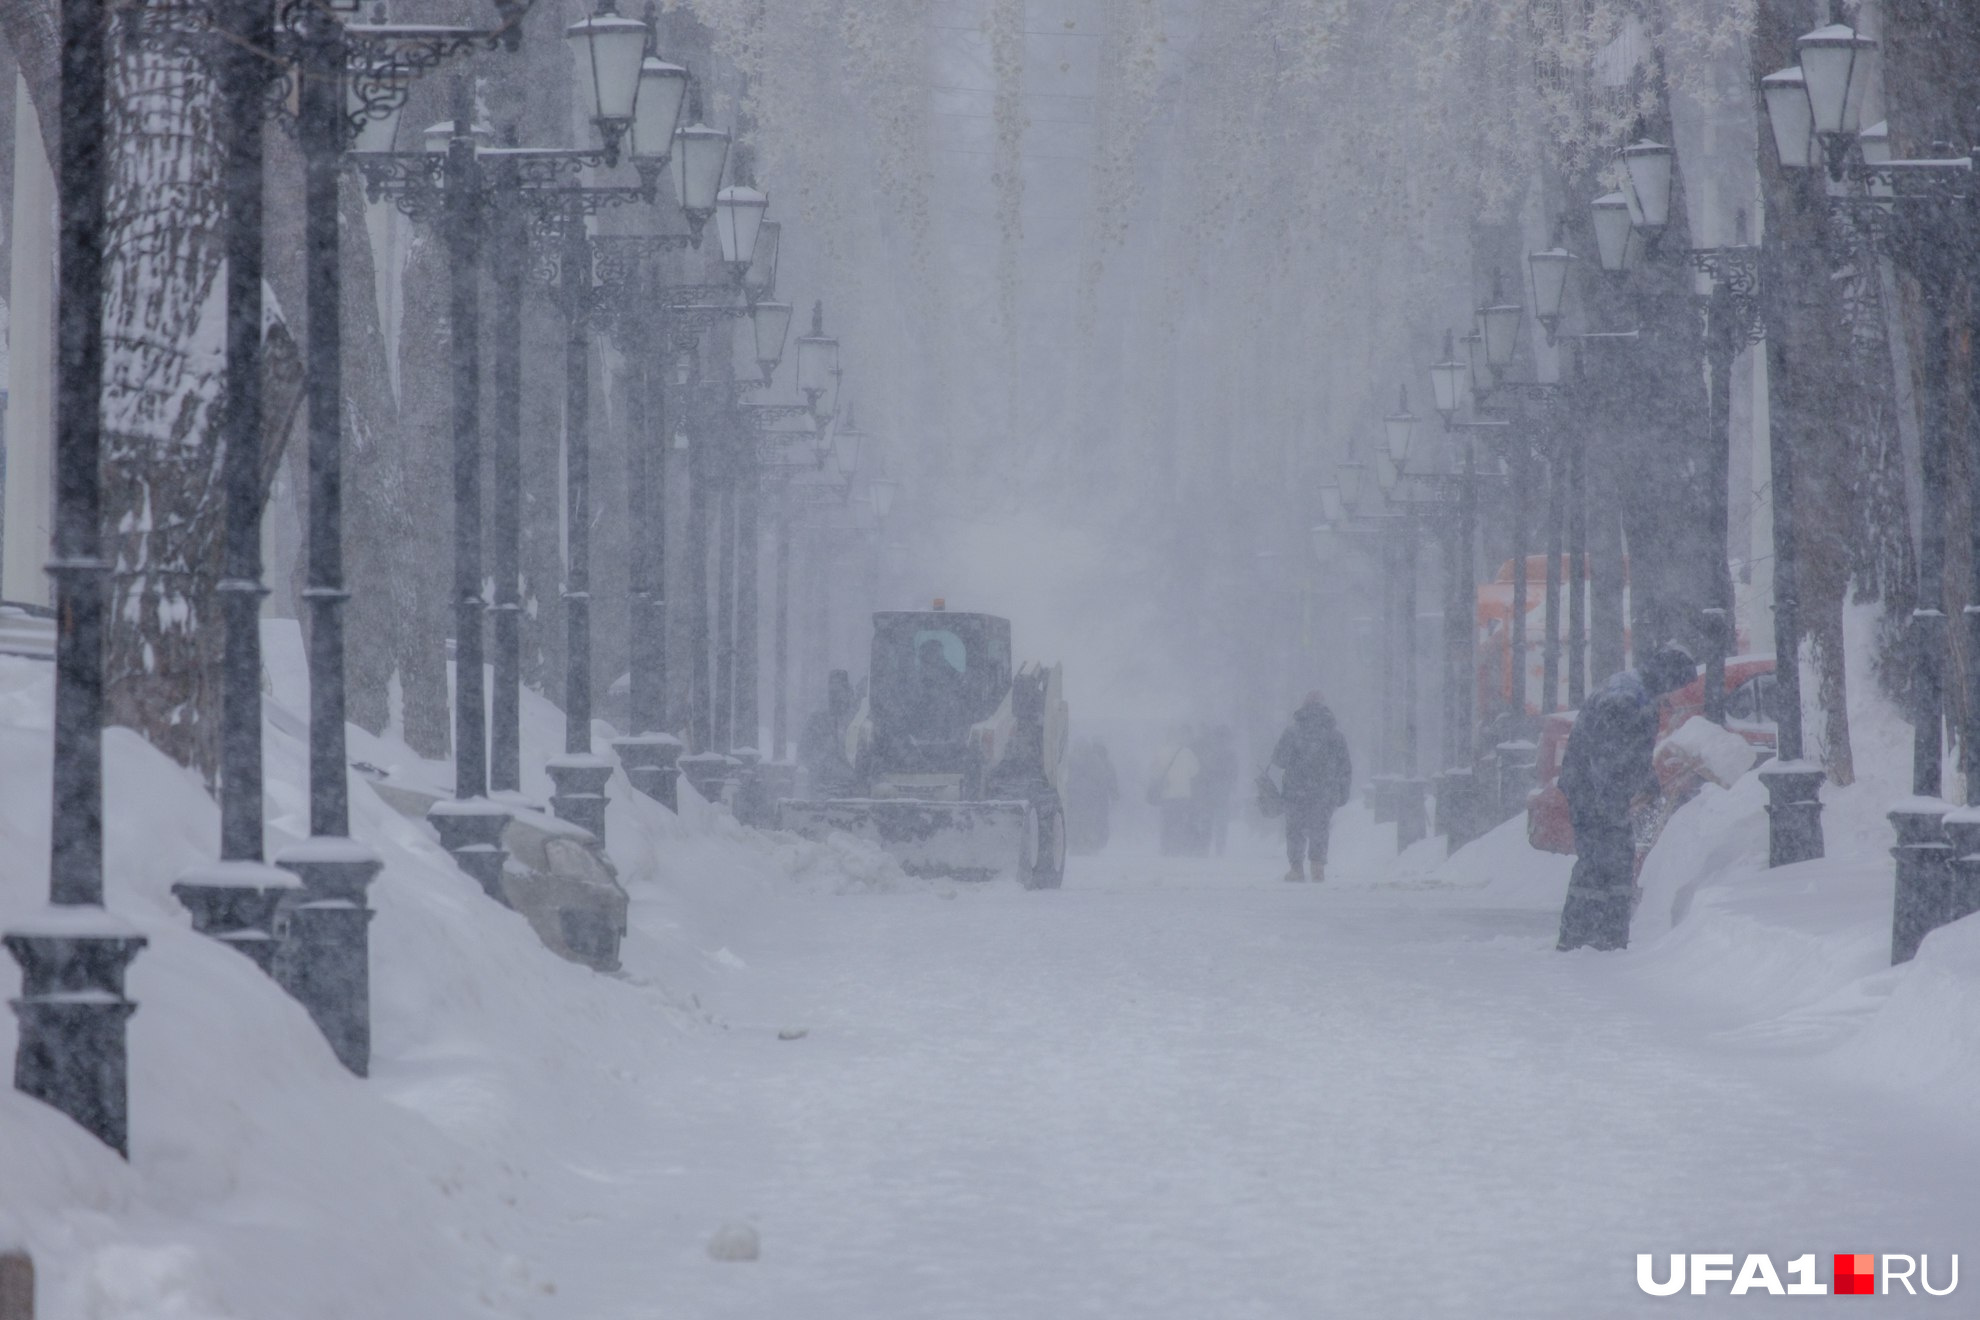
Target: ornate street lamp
1475 364
1498 323
1332 506
1353 479
610 50
738 221
760 280
700 153
1649 168
1874 143
770 325
1550 272
1835 62
845 447
1786 93
818 359
657 109
1399 428
1447 380
1611 218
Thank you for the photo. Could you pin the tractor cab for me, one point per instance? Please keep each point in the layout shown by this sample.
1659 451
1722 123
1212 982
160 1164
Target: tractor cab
935 676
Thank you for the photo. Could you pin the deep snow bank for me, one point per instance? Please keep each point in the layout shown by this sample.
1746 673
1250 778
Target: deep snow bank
264 1180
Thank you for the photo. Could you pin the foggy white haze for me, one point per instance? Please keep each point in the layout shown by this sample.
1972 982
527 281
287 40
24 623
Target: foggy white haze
1332 670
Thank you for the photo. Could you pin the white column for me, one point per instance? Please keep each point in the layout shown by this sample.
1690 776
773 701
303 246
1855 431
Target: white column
30 366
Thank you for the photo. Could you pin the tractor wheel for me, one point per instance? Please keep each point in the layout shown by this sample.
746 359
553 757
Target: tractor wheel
1048 851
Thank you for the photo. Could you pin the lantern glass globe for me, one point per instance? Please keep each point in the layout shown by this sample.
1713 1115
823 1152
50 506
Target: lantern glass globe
1332 507
700 154
1550 272
1835 62
657 111
609 49
1353 479
1610 214
1793 121
1650 166
738 221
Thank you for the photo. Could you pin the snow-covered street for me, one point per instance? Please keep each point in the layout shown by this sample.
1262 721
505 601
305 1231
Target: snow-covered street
1177 1089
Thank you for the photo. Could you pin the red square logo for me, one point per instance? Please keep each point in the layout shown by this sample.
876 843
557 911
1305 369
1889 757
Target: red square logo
1856 1274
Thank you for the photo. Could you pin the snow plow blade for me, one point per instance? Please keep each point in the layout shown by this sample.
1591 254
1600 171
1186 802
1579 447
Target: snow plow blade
953 840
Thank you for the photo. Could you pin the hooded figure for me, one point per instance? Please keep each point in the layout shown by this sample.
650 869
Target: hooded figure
1605 772
1315 776
822 745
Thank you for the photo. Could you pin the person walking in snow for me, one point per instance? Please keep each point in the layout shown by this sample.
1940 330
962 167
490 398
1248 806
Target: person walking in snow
1315 776
1092 788
1606 774
1216 753
1172 792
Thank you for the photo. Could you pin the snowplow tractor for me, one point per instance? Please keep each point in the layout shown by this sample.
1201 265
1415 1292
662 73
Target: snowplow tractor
956 758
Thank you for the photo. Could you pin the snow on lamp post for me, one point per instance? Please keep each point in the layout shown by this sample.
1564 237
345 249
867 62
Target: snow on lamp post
610 50
1835 63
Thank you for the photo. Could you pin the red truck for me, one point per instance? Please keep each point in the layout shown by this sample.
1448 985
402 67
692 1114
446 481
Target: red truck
1749 713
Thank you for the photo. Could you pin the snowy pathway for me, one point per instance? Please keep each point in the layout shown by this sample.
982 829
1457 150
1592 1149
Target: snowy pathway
1168 1092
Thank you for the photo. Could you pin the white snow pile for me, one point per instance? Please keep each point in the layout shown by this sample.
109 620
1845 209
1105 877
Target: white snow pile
1716 754
507 1085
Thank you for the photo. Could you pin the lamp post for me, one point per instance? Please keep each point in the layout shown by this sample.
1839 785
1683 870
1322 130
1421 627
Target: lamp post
352 83
234 900
72 1008
1919 212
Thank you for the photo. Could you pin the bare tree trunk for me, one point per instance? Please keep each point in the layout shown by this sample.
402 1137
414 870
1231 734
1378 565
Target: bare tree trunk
165 368
164 331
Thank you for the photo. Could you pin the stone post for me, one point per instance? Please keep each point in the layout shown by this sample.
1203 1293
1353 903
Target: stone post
1919 902
1518 761
651 762
1794 811
234 902
580 778
323 941
471 829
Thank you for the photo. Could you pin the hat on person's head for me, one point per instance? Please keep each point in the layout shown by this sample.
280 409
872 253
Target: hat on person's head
1667 669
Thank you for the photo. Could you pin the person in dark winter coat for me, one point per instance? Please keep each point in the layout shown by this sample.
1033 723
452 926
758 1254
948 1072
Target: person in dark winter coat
822 744
1314 780
1606 773
1092 788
